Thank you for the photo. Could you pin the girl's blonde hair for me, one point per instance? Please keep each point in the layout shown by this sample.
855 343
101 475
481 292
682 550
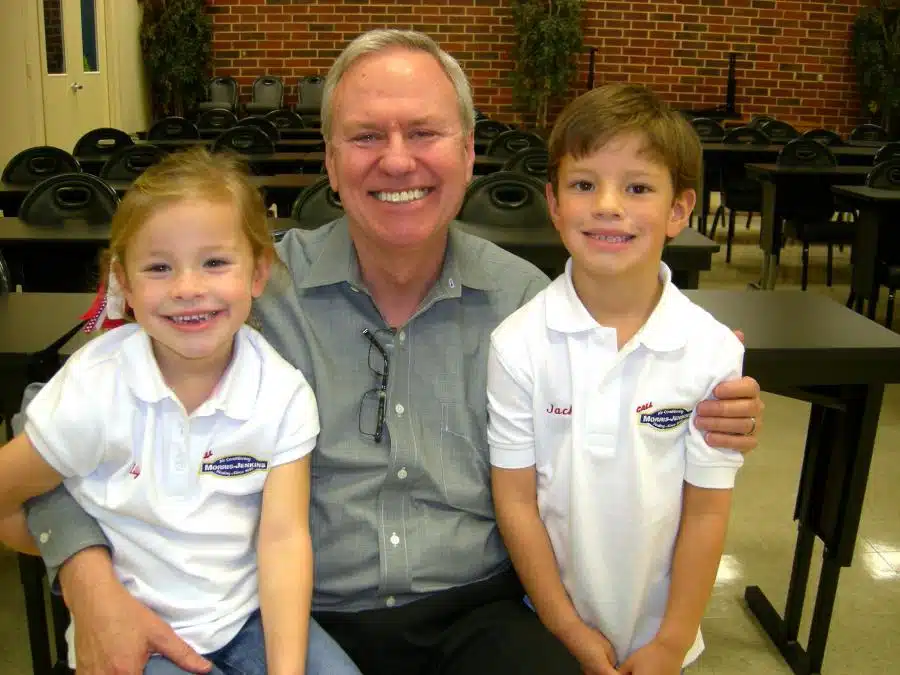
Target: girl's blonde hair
193 174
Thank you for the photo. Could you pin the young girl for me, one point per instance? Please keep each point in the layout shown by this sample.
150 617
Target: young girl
184 433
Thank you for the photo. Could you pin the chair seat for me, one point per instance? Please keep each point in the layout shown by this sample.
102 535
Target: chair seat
821 232
203 106
304 109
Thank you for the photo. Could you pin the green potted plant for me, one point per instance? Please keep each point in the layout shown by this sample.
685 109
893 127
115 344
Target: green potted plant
548 40
176 43
875 48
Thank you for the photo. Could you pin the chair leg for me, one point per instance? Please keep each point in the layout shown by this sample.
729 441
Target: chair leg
829 266
851 299
889 316
732 216
804 271
720 213
749 218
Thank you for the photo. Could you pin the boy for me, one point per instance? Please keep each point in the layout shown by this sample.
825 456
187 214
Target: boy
612 505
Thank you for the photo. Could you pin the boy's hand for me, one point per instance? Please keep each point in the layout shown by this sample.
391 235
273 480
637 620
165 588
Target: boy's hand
594 652
654 658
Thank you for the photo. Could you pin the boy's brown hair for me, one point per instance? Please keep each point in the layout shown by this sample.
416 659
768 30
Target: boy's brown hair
593 119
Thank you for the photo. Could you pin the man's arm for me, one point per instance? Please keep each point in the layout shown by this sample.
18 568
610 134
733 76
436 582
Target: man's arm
526 539
61 528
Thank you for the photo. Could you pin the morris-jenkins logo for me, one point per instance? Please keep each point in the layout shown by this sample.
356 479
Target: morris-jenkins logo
234 465
665 418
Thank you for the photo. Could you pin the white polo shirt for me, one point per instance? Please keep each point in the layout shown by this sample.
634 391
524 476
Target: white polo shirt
611 435
177 495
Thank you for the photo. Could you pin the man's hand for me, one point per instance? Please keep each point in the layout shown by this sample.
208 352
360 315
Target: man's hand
734 420
654 658
114 633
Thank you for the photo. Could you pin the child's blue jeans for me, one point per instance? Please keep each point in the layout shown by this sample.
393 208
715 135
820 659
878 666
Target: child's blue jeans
246 654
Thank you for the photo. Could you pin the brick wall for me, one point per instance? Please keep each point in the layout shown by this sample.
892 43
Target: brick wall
793 54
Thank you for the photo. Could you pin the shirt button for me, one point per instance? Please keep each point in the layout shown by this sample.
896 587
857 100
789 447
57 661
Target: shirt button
45 537
179 466
395 540
401 336
389 601
402 474
399 408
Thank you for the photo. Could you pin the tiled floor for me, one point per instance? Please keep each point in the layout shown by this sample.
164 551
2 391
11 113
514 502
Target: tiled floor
865 631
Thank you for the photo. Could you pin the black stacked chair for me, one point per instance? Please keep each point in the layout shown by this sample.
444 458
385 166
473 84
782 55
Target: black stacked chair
223 95
510 142
36 164
266 126
824 136
808 210
5 277
779 132
126 164
708 129
101 142
268 95
506 199
531 162
68 196
886 152
756 121
317 205
868 132
247 140
217 119
487 130
885 176
309 95
173 129
285 119
739 193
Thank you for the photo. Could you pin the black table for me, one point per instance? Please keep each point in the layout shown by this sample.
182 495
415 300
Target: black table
281 145
33 326
277 162
811 348
775 178
715 156
877 209
281 189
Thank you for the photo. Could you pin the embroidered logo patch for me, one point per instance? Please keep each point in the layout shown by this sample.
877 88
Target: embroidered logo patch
666 418
234 465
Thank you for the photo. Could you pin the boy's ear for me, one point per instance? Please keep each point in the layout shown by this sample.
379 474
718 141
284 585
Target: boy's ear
552 204
682 206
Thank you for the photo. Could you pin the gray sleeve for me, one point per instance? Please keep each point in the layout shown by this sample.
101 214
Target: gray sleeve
60 527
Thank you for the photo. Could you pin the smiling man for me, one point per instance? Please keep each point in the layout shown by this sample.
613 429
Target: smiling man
388 314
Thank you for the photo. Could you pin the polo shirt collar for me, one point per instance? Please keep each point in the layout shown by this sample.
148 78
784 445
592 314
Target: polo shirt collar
235 395
664 331
338 263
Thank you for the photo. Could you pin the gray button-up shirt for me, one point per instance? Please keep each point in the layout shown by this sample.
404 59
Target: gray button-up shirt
393 521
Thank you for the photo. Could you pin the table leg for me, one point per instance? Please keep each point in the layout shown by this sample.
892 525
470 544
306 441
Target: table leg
686 280
31 572
835 471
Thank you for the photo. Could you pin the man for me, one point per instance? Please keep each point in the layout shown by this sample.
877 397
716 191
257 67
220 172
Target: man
387 313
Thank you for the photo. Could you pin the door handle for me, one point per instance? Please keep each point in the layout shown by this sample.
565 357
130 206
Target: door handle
77 87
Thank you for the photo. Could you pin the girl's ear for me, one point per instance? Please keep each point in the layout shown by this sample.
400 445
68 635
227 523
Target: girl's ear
262 270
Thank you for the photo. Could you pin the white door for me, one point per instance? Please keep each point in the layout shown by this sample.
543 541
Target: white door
73 57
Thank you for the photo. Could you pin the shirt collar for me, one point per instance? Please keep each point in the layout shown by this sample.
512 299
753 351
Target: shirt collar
337 263
235 395
664 331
